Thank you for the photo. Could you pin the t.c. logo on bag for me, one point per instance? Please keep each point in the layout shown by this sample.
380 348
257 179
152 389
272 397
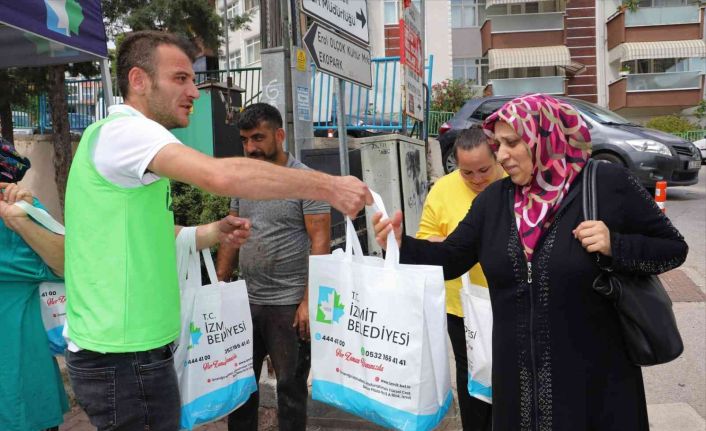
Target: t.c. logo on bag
329 308
195 334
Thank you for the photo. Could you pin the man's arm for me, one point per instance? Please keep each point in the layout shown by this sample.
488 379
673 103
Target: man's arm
231 230
254 179
48 245
318 226
227 257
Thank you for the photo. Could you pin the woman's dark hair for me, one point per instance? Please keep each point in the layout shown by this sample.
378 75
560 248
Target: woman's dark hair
471 138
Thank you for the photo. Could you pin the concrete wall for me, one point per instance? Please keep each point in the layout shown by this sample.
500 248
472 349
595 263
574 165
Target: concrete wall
40 177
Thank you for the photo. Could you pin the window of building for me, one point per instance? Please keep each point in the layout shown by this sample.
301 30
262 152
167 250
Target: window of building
390 11
666 65
662 3
234 9
471 69
250 5
252 50
464 13
235 60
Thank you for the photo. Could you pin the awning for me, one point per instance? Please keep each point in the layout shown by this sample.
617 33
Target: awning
664 49
490 3
528 57
43 32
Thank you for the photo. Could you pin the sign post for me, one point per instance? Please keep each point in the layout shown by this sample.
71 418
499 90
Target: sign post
349 17
338 56
341 51
412 59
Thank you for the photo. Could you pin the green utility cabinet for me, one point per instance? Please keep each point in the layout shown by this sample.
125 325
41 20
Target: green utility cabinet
209 131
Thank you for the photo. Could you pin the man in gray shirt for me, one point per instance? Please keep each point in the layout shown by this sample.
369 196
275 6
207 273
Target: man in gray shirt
274 263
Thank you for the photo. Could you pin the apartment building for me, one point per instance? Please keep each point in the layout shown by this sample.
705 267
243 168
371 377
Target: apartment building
564 47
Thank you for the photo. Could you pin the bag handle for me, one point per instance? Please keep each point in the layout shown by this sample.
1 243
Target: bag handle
352 241
392 255
210 267
588 187
42 217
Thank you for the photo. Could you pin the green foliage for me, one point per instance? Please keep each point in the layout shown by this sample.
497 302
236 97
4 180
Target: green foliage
450 95
193 206
700 112
671 124
198 20
630 5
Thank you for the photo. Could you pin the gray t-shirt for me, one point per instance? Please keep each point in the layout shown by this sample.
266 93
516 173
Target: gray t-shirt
274 262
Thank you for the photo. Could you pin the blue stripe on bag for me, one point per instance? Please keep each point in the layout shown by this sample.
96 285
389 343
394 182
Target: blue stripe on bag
57 342
477 388
358 404
218 403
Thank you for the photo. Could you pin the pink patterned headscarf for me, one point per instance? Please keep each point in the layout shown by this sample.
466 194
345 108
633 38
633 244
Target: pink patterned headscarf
560 144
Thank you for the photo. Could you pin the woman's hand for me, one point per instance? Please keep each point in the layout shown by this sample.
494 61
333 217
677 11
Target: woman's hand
9 194
594 236
382 228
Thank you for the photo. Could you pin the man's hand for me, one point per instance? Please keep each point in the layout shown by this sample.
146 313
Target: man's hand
9 194
349 195
233 230
301 320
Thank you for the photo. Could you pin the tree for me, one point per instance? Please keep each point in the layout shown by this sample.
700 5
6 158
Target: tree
450 95
671 124
18 92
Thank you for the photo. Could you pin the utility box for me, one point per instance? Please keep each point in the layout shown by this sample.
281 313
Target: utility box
210 131
327 160
393 165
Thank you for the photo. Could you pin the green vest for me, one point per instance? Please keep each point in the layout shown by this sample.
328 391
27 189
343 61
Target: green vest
121 279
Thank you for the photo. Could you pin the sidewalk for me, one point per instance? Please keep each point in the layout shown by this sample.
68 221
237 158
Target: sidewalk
675 391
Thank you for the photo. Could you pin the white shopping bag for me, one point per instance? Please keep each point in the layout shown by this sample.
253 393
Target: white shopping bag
214 355
478 321
379 336
52 295
53 308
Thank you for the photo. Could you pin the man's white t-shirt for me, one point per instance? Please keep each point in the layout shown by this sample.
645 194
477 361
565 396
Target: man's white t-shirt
125 147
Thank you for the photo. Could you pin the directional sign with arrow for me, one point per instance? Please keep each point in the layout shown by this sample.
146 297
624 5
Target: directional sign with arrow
338 56
349 16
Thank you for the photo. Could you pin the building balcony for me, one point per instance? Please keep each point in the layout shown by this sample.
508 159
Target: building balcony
648 90
653 24
523 31
555 85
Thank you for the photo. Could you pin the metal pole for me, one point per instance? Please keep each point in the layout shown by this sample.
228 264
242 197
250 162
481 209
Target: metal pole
341 119
107 85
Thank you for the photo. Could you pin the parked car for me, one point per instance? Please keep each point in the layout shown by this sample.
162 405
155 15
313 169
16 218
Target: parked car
650 154
701 145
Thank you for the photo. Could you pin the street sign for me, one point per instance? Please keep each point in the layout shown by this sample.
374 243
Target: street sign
338 56
412 59
349 16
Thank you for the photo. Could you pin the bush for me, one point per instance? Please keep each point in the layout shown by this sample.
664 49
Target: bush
193 207
451 94
671 124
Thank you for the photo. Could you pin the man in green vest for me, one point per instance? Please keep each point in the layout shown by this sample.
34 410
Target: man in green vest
122 291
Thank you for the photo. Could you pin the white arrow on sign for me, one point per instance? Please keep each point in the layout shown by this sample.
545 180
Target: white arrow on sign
349 16
338 56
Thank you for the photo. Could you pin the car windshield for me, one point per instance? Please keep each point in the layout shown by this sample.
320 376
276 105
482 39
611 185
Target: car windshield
599 114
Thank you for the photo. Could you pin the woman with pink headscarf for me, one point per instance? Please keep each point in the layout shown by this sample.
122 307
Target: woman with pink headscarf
559 361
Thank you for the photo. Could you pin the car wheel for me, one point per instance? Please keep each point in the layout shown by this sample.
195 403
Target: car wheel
449 160
609 157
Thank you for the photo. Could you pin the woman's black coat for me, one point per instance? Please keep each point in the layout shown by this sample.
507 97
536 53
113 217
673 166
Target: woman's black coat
559 362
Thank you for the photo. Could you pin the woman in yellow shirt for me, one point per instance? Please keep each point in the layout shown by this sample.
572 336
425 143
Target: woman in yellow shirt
446 205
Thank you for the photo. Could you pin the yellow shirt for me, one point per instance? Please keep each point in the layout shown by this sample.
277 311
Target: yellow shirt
446 205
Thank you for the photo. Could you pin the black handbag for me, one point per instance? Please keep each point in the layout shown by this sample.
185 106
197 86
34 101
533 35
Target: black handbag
647 321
